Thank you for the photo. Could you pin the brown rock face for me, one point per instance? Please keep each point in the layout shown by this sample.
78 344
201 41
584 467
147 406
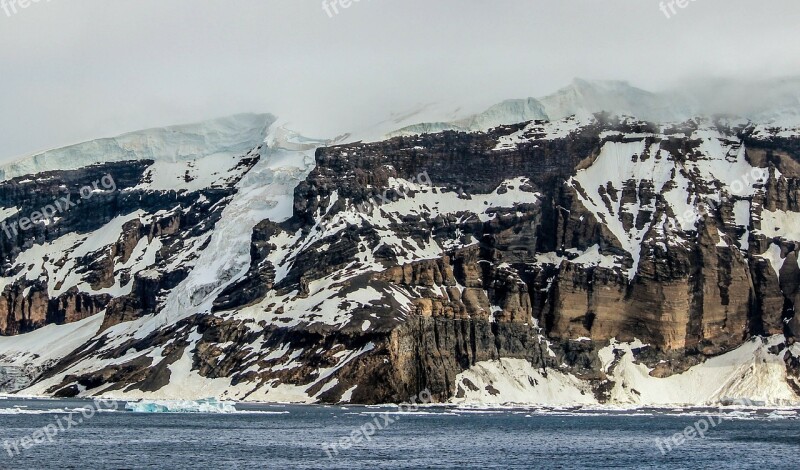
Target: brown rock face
699 294
21 310
702 293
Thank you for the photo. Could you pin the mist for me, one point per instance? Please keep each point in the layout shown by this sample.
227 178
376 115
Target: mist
79 70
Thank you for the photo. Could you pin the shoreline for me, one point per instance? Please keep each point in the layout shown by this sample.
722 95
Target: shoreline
466 407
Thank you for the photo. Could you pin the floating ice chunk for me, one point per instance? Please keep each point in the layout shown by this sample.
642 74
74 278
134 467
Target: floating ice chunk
207 405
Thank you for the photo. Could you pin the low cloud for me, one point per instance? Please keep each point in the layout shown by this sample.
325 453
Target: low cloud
79 70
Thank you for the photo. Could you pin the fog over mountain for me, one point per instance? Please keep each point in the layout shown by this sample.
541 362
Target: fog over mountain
149 63
774 102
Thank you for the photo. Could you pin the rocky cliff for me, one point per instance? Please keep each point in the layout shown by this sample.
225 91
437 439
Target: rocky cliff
586 260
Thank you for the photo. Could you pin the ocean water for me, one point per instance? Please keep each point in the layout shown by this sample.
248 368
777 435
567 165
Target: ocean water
288 436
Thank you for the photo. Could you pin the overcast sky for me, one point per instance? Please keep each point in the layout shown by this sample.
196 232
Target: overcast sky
75 70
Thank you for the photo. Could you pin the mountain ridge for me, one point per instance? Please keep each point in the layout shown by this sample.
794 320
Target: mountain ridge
540 261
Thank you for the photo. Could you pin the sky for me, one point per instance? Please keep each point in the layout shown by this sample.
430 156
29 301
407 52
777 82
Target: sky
76 70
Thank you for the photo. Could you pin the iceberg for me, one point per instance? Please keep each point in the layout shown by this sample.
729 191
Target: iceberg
206 405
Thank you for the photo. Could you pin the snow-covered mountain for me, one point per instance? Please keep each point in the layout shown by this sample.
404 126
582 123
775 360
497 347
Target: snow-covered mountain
772 102
584 98
544 251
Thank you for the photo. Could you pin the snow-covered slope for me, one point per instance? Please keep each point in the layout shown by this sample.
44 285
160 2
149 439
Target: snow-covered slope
751 373
266 192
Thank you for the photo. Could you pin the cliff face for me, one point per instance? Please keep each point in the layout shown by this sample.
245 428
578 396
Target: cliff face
91 256
577 250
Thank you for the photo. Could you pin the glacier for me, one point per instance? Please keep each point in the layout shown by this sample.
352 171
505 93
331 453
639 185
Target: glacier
233 135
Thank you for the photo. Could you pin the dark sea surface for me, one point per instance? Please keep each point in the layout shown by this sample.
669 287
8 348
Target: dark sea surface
289 436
